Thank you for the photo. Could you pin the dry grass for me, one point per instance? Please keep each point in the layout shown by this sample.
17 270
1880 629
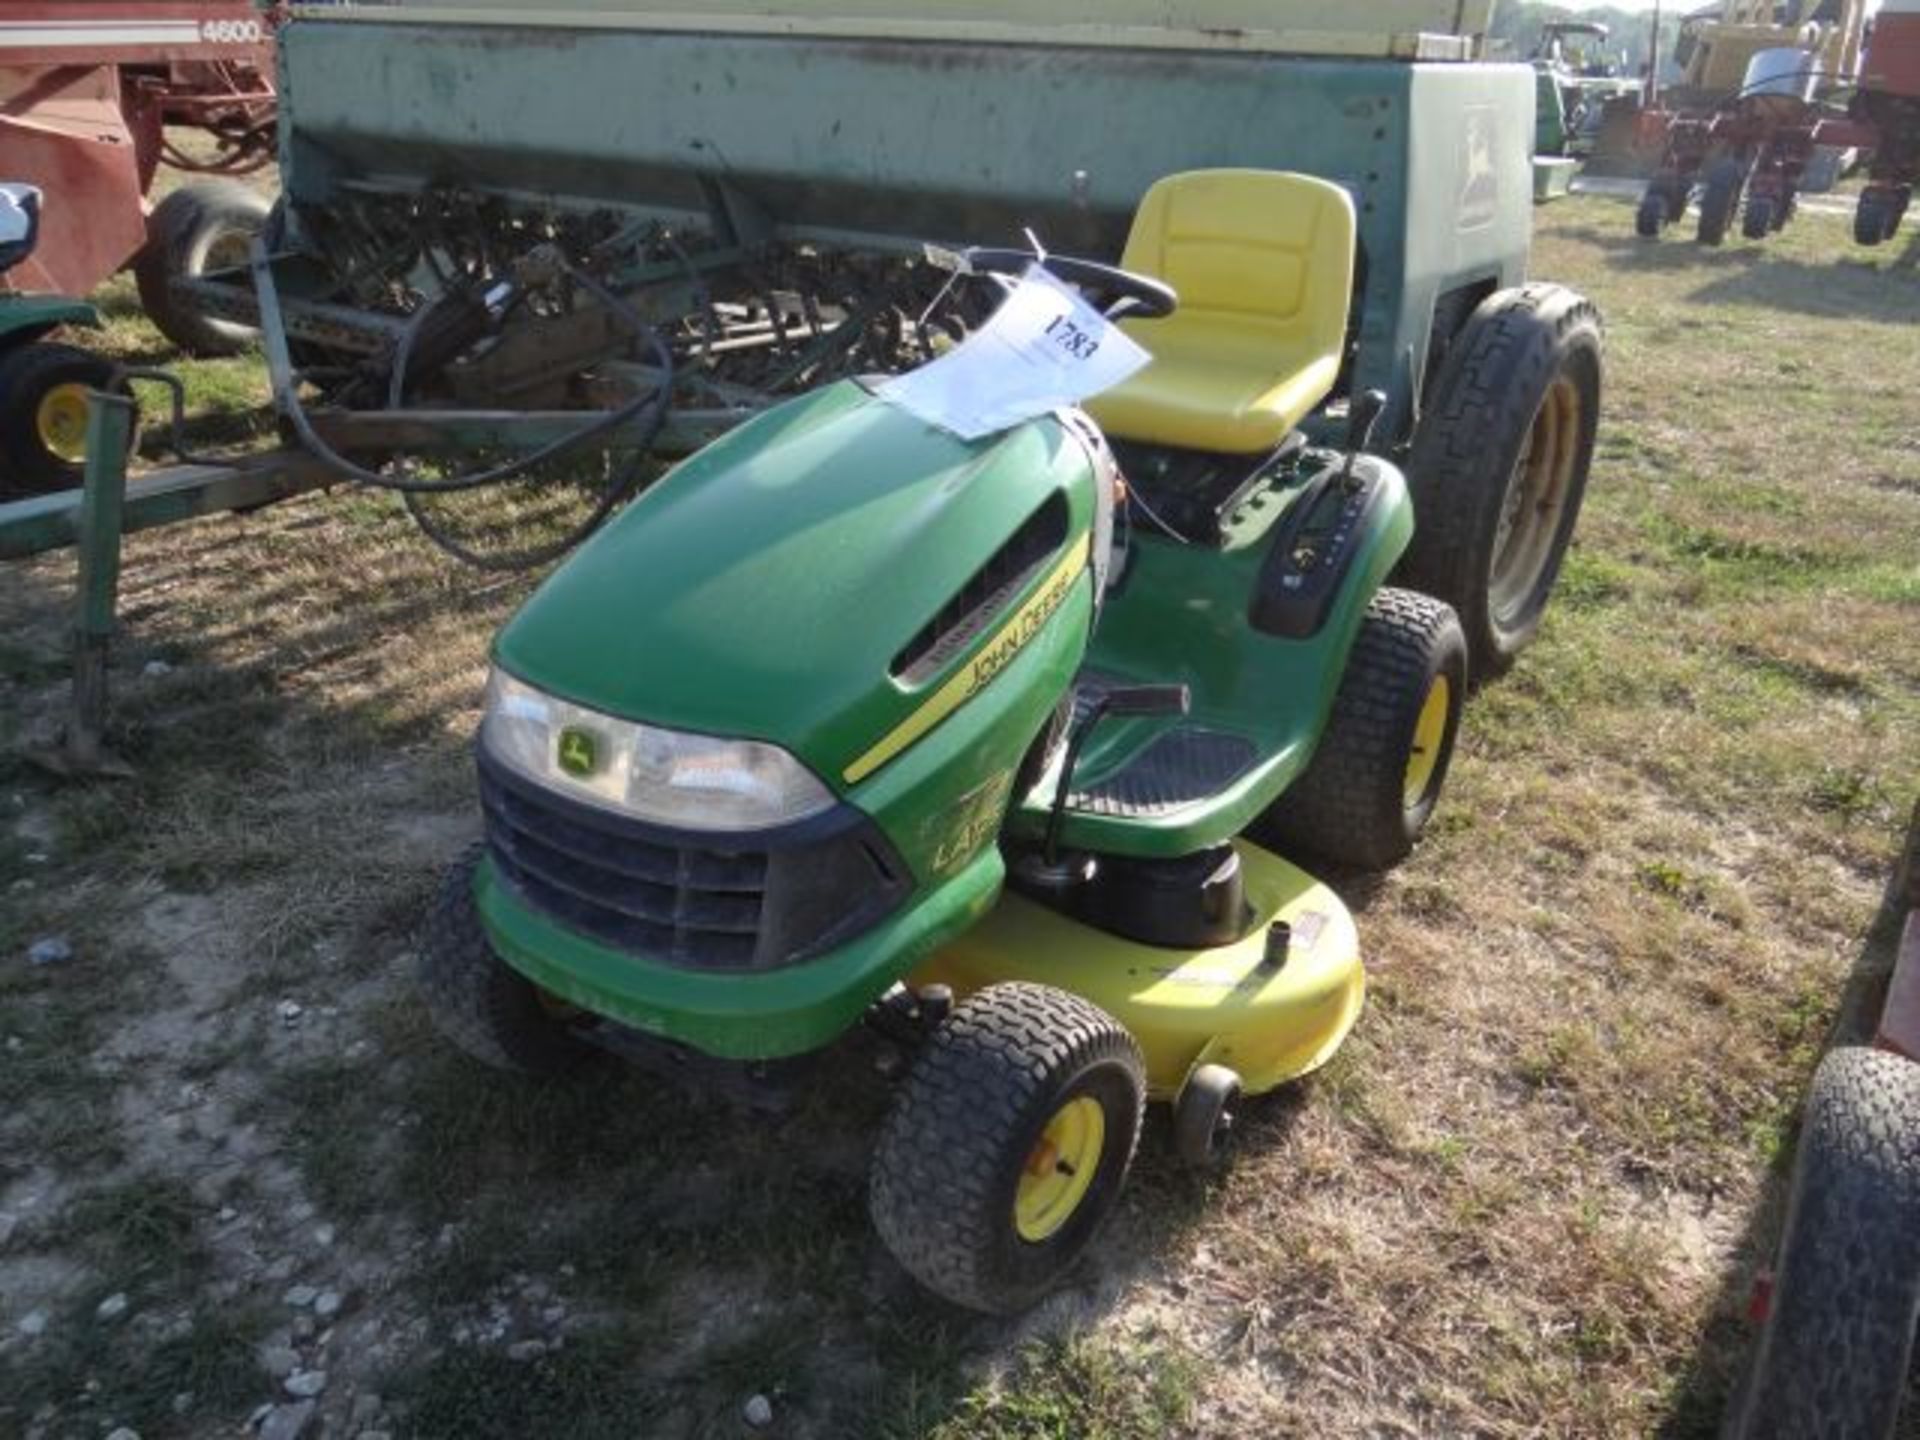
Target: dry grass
1525 1200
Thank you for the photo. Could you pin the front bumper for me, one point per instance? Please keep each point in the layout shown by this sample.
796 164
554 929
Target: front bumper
734 1015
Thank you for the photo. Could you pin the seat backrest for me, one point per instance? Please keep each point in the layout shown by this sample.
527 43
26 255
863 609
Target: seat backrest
1262 261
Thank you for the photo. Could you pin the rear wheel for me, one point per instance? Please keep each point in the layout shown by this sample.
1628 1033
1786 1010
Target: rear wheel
1377 774
1499 465
1719 200
477 1000
1833 1359
43 415
199 228
1008 1145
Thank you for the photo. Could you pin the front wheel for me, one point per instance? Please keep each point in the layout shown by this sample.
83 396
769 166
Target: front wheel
477 1000
43 415
1007 1147
1720 200
1377 773
1651 216
1499 465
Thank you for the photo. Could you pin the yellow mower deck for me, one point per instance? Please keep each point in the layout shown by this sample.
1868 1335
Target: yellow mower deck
1219 1006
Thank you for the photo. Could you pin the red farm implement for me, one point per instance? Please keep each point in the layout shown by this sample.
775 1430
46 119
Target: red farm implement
88 94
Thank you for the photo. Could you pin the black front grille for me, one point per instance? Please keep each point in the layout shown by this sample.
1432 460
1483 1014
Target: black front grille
648 891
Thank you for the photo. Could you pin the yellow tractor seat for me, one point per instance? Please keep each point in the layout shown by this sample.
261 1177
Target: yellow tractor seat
1263 264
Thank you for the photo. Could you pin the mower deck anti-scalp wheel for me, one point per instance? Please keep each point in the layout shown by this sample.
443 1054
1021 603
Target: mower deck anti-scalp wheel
1203 1115
477 1000
1499 465
1833 1359
1007 1146
1719 200
1379 768
43 415
208 225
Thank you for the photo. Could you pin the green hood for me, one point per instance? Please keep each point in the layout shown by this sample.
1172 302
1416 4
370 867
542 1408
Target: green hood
765 587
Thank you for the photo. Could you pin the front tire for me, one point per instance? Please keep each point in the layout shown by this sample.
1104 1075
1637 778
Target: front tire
1007 1147
1833 1359
477 1000
43 415
1377 773
200 227
1720 200
1499 465
1651 216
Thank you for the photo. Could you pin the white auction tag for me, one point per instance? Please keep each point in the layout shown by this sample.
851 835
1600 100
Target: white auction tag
1045 347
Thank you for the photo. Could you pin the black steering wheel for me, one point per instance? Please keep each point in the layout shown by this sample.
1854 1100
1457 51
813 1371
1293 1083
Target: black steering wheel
1107 284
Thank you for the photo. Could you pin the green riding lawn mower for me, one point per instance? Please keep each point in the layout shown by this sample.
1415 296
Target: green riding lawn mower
43 383
995 745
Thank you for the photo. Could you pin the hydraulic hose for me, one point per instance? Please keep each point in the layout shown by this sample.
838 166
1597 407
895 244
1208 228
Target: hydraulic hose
653 406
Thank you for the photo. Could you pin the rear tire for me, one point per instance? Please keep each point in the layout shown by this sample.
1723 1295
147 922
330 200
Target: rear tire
200 227
1833 1358
1719 200
1373 782
43 415
971 1192
1499 465
477 1000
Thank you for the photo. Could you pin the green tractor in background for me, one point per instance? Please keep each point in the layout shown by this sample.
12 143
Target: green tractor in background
43 383
992 743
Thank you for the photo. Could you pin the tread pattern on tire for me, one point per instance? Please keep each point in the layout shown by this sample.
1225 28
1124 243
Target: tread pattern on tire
1348 804
940 1161
1467 443
486 1008
1833 1359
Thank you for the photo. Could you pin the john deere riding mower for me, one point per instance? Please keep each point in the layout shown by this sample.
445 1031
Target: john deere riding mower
43 384
985 742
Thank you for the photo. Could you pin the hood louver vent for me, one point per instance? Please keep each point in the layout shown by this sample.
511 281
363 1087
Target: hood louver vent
990 590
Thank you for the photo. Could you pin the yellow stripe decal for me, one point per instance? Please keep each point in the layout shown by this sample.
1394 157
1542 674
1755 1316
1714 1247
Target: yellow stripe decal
988 661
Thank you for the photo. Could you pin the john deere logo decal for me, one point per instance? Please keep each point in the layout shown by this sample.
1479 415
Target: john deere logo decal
579 752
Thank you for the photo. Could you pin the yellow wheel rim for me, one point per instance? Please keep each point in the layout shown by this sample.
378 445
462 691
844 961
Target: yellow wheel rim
1429 735
1060 1169
60 421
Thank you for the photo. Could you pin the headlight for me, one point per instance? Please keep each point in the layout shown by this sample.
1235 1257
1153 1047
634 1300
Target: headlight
695 782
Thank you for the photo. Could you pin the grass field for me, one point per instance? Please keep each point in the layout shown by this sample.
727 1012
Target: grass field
1527 1199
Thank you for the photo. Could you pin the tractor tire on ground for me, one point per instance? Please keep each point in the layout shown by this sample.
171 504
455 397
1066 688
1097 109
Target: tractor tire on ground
1758 221
1651 216
1833 1358
1007 1146
477 1000
1499 465
1719 200
43 415
1373 782
200 227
